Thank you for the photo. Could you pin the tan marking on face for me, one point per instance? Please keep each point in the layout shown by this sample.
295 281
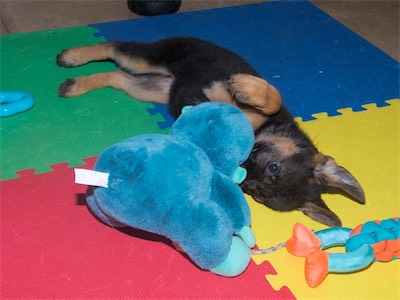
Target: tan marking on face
285 145
319 159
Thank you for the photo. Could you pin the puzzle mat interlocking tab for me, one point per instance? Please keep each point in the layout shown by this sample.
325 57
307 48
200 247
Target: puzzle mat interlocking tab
368 144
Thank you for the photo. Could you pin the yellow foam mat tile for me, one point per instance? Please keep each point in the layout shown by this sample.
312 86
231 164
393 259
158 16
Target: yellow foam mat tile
367 143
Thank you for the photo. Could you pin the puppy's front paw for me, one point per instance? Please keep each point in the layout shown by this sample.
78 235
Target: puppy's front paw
238 85
71 88
256 92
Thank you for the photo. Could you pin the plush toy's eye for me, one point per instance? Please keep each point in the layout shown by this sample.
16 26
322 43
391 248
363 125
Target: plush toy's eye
274 167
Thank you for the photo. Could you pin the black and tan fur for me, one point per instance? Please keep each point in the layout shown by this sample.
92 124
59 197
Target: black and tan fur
285 170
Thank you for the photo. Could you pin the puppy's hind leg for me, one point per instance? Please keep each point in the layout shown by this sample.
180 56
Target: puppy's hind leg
75 87
145 88
131 56
81 55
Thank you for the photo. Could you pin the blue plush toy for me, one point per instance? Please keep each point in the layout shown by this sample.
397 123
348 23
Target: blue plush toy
181 186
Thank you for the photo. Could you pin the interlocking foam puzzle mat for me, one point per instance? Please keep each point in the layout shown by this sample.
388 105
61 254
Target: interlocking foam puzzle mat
343 91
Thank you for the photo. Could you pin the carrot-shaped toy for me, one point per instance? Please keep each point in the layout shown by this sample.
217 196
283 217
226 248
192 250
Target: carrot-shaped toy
368 242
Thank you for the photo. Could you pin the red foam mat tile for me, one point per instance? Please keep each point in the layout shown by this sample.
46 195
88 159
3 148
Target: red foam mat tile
52 247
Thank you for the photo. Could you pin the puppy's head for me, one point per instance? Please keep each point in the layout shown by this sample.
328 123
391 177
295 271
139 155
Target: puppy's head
286 172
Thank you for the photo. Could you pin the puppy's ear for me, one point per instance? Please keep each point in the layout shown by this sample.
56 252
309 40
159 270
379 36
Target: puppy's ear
333 178
318 211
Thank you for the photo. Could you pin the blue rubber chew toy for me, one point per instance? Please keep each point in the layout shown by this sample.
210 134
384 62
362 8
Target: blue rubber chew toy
365 244
12 103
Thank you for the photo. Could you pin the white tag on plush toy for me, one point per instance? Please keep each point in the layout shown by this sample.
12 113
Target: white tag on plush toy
90 177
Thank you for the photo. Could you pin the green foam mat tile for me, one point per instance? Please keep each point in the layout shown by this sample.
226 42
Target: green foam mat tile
57 129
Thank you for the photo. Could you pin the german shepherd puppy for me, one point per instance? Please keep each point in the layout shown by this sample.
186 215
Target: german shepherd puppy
285 170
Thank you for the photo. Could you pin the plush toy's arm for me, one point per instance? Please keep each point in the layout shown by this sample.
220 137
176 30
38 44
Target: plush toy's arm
247 236
229 196
239 175
91 194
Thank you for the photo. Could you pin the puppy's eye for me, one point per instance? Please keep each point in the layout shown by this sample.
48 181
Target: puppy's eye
274 167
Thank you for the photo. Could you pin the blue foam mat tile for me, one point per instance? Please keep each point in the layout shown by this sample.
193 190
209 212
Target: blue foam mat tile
315 62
